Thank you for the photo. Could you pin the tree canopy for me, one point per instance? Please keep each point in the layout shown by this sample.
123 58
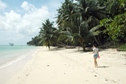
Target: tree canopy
83 22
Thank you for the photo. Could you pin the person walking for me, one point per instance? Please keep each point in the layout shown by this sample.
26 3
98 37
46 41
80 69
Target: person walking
95 55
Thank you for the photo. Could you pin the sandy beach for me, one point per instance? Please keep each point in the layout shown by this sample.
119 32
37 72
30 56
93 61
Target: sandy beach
72 66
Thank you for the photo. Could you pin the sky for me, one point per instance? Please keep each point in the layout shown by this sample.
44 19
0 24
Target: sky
20 20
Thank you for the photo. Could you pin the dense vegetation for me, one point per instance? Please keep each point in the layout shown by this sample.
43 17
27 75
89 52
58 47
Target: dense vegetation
85 21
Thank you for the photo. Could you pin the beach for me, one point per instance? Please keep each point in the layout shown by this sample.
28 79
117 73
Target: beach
71 66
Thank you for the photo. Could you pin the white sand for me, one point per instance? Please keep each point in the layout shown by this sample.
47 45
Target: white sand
70 66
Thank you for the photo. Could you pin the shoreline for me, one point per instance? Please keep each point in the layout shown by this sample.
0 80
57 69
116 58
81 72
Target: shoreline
10 55
70 66
7 70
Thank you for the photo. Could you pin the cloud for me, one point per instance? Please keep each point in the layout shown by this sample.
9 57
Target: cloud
31 21
10 21
2 5
27 6
21 26
28 23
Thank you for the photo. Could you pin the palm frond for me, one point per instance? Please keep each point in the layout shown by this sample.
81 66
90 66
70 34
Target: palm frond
94 31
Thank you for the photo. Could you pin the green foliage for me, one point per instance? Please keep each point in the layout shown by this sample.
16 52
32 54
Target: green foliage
123 3
79 17
116 28
48 34
122 47
85 21
95 30
35 41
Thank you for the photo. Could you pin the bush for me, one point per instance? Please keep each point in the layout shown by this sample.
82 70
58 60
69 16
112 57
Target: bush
122 47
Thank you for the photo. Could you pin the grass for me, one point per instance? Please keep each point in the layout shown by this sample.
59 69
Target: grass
122 47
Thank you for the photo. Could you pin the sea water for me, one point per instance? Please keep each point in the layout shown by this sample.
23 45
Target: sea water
11 54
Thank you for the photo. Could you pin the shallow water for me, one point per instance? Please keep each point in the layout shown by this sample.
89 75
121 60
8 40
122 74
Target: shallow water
13 59
10 54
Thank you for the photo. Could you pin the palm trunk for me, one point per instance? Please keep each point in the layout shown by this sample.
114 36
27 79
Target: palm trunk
84 48
49 45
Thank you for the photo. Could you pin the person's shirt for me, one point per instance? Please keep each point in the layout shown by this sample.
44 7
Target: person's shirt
95 50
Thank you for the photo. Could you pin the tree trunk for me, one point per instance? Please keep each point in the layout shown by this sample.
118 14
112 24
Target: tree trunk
84 48
83 45
49 45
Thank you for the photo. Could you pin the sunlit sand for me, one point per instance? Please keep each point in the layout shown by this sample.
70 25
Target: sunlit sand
72 66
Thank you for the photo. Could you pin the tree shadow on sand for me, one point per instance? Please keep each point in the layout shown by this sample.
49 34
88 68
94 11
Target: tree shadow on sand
102 66
56 49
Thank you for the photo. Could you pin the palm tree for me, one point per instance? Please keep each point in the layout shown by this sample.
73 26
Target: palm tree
80 18
91 14
48 34
67 21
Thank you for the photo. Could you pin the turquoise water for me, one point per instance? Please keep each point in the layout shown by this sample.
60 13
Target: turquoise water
9 54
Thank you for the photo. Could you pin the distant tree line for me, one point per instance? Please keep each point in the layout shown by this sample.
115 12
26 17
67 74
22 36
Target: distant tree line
83 22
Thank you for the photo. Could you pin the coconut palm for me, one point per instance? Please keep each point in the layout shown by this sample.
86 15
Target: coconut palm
80 17
67 21
91 13
48 34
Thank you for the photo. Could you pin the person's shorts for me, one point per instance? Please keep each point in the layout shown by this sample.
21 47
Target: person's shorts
95 55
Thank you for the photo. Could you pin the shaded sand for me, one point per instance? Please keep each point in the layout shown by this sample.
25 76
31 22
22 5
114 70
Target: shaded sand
70 66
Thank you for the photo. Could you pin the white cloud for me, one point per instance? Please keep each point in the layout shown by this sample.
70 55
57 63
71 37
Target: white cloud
20 25
2 5
27 6
32 21
10 21
26 25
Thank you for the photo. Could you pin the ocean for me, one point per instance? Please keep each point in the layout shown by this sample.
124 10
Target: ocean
11 54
